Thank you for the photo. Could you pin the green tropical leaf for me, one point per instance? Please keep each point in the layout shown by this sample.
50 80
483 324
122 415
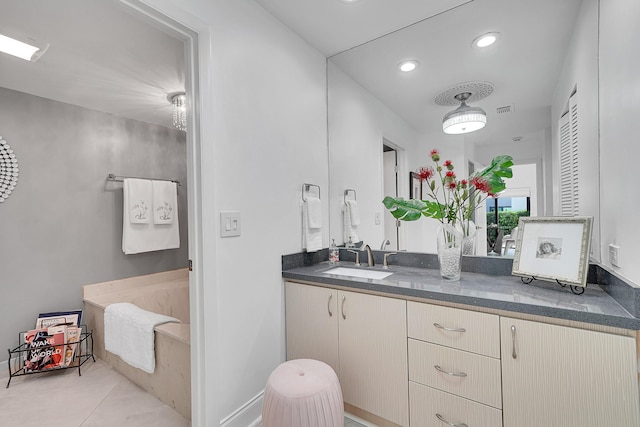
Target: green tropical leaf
499 168
413 209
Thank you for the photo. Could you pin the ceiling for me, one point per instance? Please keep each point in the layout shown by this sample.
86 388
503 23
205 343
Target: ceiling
101 57
523 65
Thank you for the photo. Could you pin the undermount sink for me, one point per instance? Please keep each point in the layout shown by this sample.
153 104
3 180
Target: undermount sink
355 272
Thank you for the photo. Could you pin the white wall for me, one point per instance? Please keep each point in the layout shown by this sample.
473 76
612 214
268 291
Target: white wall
265 135
619 130
581 69
359 123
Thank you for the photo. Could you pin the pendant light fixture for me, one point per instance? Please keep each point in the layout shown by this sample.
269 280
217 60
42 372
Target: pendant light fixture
179 102
464 119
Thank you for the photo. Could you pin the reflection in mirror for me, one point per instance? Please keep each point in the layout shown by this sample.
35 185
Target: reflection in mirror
376 109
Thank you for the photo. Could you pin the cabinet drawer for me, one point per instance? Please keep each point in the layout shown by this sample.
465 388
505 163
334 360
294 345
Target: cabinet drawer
462 329
427 403
465 374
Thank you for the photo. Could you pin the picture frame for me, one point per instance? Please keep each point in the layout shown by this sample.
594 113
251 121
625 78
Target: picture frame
415 189
556 249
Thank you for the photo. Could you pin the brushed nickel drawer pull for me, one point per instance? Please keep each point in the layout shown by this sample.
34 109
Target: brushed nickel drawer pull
453 374
439 326
441 418
329 305
513 342
344 316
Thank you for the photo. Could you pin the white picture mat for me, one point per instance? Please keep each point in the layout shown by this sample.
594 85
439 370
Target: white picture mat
567 265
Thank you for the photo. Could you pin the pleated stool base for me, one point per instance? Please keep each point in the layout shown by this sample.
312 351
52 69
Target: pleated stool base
303 393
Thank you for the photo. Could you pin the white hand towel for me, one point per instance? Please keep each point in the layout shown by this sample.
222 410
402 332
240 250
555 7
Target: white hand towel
128 333
350 230
165 202
141 237
314 212
137 192
311 237
352 207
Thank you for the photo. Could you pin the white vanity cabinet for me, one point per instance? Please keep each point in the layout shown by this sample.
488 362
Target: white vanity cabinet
363 337
454 367
420 364
562 376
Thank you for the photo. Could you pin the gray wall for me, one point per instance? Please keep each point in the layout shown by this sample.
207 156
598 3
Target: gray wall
61 228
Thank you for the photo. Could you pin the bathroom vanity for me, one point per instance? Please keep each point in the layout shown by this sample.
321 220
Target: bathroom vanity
413 350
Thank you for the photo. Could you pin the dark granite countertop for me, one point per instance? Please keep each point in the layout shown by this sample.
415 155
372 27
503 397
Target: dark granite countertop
500 292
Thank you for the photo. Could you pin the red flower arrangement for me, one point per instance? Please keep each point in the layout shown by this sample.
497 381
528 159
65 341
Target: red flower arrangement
451 200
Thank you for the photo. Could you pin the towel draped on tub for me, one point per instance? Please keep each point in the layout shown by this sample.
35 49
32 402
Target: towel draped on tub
128 333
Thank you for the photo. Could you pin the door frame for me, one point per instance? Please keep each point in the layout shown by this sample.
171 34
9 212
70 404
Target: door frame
196 37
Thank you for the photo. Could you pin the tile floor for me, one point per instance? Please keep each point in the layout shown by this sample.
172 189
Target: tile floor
100 397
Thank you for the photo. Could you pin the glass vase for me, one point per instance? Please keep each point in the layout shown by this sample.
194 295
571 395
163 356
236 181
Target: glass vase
468 238
450 242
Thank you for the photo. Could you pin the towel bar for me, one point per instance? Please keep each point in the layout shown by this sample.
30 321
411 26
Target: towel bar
347 191
114 177
306 187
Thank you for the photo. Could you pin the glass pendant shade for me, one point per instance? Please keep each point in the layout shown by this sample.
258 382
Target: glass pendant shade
179 102
464 119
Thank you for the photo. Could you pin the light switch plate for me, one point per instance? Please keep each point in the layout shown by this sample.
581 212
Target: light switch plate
229 224
614 255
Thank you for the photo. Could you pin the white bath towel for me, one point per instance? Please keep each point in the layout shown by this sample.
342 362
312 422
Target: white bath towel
138 238
137 193
350 230
354 213
311 236
165 202
128 333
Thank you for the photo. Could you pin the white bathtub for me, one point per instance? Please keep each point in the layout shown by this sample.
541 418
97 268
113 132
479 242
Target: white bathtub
164 293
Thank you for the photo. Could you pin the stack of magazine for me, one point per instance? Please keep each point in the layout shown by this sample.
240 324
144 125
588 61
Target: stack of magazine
52 343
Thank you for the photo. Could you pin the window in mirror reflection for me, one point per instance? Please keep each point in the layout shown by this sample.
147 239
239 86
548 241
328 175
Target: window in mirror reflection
502 221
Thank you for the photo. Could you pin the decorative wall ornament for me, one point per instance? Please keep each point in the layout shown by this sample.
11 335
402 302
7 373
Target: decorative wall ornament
8 170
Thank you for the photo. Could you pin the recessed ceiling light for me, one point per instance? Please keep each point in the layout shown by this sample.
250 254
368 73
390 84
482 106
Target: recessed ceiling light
409 65
349 1
28 51
486 39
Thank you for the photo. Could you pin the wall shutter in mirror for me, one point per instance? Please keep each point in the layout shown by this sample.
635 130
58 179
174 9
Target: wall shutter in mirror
569 164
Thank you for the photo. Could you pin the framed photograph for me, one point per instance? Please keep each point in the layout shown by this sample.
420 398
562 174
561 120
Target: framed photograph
553 248
415 191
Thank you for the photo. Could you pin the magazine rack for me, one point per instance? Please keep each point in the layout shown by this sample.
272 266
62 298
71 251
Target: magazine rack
18 355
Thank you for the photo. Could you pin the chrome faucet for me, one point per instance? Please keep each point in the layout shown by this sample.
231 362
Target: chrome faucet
370 259
357 264
384 244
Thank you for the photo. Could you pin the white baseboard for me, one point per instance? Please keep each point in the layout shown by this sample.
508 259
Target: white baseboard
249 415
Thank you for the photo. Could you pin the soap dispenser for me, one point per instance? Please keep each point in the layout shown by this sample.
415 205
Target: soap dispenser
334 253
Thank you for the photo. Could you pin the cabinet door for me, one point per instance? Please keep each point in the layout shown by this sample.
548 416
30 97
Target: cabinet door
373 355
561 376
312 323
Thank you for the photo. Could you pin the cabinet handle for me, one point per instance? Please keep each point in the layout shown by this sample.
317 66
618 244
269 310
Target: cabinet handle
441 418
453 374
344 316
439 326
513 342
329 305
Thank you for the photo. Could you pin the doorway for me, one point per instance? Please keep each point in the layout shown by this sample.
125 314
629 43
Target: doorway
390 187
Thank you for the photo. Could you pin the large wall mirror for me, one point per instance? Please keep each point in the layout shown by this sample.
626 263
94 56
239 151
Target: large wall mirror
383 122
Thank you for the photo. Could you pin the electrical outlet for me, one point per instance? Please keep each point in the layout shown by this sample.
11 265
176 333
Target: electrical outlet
614 255
378 218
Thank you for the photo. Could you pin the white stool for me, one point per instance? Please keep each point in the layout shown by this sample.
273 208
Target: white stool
303 393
